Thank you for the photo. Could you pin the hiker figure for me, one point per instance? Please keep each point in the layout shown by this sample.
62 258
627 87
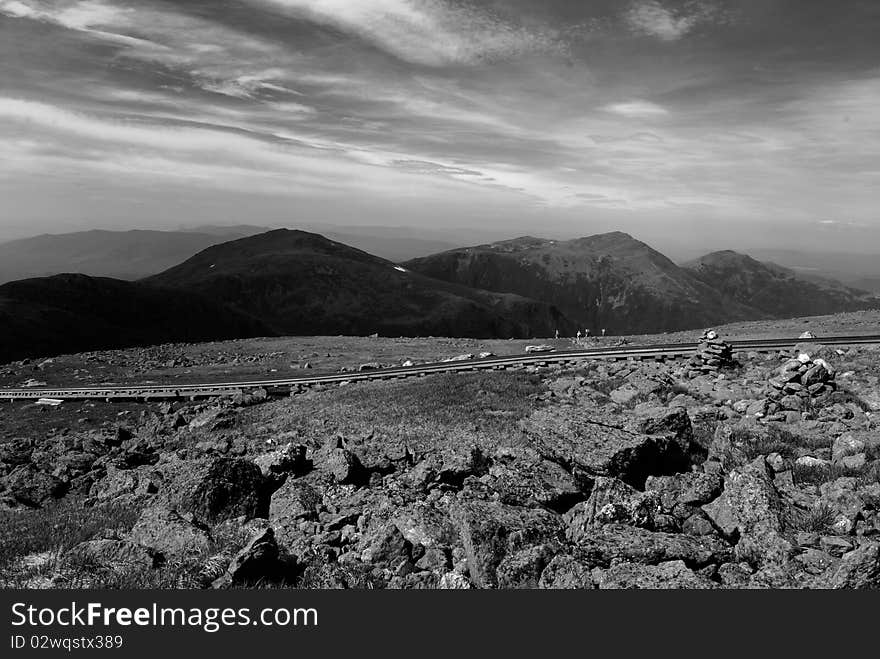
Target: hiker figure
557 334
579 335
603 332
586 333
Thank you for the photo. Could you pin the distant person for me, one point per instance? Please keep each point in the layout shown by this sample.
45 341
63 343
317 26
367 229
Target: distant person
557 334
579 335
603 332
587 333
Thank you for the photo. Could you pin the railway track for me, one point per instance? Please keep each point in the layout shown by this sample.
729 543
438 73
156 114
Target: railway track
287 385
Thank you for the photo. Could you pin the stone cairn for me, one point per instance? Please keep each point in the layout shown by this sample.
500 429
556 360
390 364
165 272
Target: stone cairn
800 383
713 354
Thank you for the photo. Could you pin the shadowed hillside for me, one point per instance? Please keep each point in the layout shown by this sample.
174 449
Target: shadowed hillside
609 281
302 283
72 313
776 291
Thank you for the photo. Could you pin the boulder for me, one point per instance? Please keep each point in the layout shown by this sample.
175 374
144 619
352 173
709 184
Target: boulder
224 488
749 511
523 478
612 543
564 572
292 504
666 576
847 444
843 497
692 488
16 452
611 501
385 545
114 554
287 459
32 487
346 467
258 561
423 525
523 569
171 533
454 581
858 569
490 531
574 437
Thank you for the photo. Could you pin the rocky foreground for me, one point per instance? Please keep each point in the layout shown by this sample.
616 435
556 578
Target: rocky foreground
760 472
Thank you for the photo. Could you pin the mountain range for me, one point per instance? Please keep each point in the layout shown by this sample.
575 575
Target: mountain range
773 290
610 281
303 283
291 282
136 254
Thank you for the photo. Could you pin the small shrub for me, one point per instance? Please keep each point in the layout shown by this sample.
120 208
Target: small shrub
816 475
817 520
324 575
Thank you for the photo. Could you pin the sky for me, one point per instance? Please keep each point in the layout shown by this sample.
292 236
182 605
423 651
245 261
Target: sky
688 123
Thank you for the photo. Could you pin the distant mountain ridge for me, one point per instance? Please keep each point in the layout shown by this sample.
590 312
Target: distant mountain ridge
291 282
303 283
140 253
774 290
609 281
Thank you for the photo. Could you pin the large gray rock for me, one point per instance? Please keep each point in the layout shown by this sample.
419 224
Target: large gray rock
847 444
846 497
692 488
258 561
611 543
858 569
385 545
292 504
523 478
564 572
523 569
174 535
490 531
750 511
424 525
224 488
289 458
574 436
666 576
114 554
345 467
32 487
611 501
662 421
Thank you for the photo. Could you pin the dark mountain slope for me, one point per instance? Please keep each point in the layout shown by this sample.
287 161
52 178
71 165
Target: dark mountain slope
776 291
117 254
302 283
609 281
72 313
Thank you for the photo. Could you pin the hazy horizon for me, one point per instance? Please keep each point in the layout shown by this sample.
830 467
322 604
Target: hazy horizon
694 125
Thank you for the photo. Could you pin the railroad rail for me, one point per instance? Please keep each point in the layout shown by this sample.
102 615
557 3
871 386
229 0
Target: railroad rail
286 386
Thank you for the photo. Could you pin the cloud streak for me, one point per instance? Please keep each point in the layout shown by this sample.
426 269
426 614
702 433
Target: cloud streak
652 18
426 32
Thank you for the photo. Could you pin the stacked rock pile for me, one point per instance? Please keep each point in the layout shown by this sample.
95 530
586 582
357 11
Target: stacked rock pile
800 383
713 354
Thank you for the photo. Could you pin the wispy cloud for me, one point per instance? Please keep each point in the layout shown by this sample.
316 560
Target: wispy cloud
636 109
652 18
428 32
96 18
